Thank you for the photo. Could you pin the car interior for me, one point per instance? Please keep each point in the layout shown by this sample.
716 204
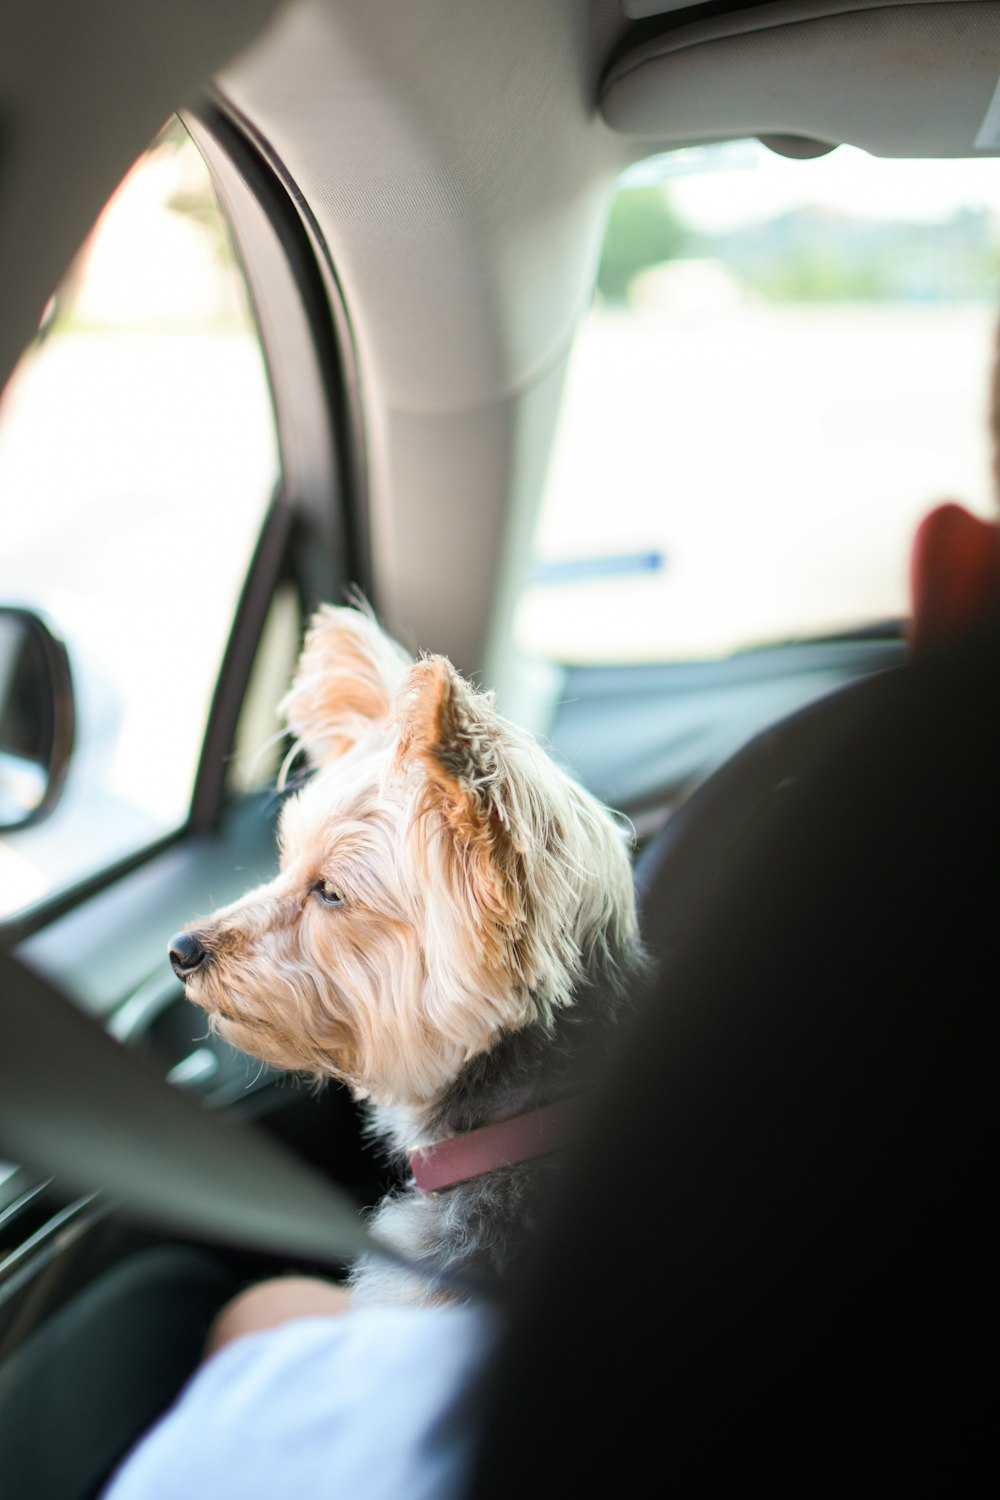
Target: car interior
613 349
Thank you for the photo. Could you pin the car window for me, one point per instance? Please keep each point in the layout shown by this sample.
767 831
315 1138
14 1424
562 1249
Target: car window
137 459
785 365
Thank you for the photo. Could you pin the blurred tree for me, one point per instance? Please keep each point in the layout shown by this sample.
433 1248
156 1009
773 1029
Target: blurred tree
643 230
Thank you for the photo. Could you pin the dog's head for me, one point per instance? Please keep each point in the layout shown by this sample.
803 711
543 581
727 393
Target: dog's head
441 880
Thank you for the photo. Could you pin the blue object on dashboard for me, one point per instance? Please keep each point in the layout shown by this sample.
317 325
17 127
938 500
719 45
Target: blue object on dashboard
577 569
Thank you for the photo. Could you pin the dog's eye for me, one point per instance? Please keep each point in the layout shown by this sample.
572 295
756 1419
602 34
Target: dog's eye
326 893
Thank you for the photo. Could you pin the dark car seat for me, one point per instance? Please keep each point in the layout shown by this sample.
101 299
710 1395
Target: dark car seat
772 1260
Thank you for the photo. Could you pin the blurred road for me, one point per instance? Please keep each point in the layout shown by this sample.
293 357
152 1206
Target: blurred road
777 456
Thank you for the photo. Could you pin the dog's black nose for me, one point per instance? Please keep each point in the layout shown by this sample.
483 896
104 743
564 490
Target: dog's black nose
186 954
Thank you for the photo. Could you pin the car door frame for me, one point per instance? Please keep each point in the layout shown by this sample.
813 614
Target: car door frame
315 532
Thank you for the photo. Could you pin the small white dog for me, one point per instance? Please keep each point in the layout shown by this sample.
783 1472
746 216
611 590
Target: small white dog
452 929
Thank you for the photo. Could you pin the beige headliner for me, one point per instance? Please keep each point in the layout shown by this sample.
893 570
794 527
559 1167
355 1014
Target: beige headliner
898 78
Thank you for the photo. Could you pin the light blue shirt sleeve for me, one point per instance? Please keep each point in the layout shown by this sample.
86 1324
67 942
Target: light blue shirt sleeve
368 1406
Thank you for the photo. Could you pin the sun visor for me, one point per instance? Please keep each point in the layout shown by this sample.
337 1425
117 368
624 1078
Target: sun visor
918 78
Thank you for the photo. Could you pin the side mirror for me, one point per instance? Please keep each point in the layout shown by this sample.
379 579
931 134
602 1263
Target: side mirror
37 718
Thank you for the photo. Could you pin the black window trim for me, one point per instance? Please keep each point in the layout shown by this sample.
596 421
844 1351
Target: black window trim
310 531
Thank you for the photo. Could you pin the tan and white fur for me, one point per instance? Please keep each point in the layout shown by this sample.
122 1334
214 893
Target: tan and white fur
451 930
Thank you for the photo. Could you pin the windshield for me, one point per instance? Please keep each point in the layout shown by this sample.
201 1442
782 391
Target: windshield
787 362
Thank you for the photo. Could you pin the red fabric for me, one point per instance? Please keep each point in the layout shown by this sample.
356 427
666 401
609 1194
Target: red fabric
954 576
499 1145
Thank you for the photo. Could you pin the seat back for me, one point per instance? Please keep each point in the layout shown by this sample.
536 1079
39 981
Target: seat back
772 1259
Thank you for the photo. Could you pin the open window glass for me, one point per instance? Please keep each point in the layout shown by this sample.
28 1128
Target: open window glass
137 460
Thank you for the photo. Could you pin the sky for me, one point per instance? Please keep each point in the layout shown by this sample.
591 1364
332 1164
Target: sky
718 188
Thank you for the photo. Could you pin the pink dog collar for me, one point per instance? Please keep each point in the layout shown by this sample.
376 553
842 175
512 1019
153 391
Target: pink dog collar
501 1144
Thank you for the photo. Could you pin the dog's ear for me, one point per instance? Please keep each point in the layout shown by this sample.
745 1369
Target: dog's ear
524 877
347 678
451 735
